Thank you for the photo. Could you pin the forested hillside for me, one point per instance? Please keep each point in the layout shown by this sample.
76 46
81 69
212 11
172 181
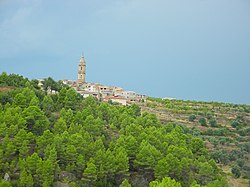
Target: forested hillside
65 140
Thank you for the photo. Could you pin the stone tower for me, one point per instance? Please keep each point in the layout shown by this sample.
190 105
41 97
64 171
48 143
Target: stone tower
82 70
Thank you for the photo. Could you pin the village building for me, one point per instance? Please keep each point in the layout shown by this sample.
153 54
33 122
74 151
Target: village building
116 99
86 94
106 90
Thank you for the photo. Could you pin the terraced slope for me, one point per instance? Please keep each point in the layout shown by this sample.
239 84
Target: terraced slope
224 127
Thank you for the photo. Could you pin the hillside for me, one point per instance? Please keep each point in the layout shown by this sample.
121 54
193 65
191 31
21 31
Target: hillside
224 127
66 140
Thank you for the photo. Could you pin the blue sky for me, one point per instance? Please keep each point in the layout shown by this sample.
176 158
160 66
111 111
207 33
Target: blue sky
195 49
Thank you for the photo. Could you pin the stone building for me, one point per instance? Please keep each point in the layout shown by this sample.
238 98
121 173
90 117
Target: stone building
82 70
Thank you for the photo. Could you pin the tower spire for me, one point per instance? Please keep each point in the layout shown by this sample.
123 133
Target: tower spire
82 70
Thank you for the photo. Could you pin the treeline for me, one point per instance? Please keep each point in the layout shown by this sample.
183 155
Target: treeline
12 80
51 139
18 81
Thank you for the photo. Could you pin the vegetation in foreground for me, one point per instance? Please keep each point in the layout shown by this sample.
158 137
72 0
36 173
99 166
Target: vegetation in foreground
49 140
224 127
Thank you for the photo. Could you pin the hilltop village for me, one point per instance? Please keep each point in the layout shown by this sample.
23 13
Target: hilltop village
102 92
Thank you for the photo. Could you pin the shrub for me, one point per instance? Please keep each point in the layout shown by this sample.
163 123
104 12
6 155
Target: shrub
192 117
244 132
213 122
240 162
236 124
236 171
209 116
203 121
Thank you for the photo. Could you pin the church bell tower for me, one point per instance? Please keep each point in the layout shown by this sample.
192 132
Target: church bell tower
82 70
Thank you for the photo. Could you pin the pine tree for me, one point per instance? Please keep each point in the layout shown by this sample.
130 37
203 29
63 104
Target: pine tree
60 126
90 173
125 183
166 182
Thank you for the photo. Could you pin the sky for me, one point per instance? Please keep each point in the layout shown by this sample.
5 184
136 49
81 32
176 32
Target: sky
190 50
